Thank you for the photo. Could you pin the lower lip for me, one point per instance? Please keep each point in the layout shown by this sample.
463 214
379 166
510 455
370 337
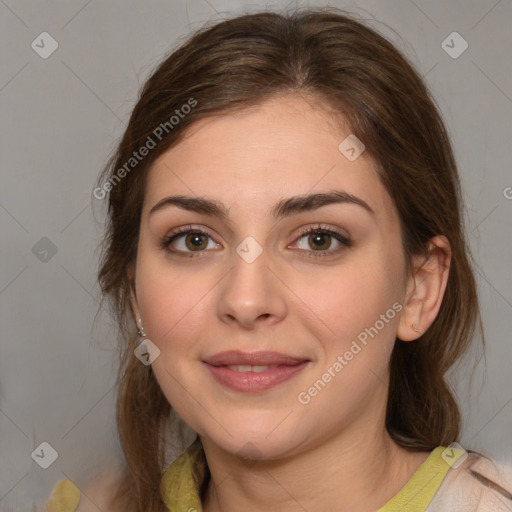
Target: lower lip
254 381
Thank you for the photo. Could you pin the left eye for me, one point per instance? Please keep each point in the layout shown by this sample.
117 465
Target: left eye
321 239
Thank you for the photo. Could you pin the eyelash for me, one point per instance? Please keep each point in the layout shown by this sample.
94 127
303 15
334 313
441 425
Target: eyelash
177 233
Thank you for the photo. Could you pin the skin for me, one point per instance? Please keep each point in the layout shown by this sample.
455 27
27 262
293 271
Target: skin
283 301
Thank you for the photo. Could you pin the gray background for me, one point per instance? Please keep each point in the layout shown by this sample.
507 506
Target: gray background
61 117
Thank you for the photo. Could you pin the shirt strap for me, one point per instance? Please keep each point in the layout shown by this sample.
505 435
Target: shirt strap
423 485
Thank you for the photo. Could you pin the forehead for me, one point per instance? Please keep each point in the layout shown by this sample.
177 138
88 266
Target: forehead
253 158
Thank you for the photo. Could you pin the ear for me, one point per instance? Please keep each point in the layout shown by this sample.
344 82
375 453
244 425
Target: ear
425 289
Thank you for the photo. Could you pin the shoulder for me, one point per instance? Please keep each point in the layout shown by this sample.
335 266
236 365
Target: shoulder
95 495
478 484
65 497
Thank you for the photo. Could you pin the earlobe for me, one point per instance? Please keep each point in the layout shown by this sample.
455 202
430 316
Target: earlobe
425 289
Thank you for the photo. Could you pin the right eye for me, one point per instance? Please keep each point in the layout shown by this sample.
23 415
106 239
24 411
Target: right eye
187 240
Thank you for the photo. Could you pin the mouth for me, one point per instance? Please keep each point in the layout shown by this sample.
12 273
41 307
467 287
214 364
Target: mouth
253 371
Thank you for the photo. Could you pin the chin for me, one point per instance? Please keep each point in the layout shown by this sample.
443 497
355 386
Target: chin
261 441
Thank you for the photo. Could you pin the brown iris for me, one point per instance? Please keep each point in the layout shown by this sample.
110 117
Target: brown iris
320 239
193 241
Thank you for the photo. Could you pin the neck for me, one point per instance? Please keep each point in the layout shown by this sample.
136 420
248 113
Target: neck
358 471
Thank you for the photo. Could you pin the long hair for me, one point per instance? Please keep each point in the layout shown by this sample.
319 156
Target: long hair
357 73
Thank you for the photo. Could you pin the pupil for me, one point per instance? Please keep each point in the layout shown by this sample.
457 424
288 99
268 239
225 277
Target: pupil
319 239
195 240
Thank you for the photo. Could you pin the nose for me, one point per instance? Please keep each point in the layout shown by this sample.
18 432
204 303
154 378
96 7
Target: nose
251 294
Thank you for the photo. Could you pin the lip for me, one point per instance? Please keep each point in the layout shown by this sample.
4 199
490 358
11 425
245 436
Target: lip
283 368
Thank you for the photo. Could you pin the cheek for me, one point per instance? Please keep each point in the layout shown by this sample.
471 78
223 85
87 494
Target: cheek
174 306
173 300
171 304
356 326
350 297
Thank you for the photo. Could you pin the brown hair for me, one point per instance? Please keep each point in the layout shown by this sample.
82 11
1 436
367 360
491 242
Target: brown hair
358 74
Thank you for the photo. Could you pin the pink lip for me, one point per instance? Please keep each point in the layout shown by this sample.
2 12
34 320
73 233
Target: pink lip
285 368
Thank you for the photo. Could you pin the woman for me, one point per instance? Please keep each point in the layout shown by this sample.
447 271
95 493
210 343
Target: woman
285 237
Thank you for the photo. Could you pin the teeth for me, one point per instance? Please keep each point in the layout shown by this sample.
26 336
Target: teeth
243 368
260 368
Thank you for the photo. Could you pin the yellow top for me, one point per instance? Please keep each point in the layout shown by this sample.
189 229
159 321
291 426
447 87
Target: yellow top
185 477
65 497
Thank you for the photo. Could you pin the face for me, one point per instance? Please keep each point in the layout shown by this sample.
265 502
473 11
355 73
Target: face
304 294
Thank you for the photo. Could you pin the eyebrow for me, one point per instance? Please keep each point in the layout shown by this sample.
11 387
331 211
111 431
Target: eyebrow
284 208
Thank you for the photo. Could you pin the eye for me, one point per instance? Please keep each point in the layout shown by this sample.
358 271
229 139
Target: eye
188 240
320 239
194 240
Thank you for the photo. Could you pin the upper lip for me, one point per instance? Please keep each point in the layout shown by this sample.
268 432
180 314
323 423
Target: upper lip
264 358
